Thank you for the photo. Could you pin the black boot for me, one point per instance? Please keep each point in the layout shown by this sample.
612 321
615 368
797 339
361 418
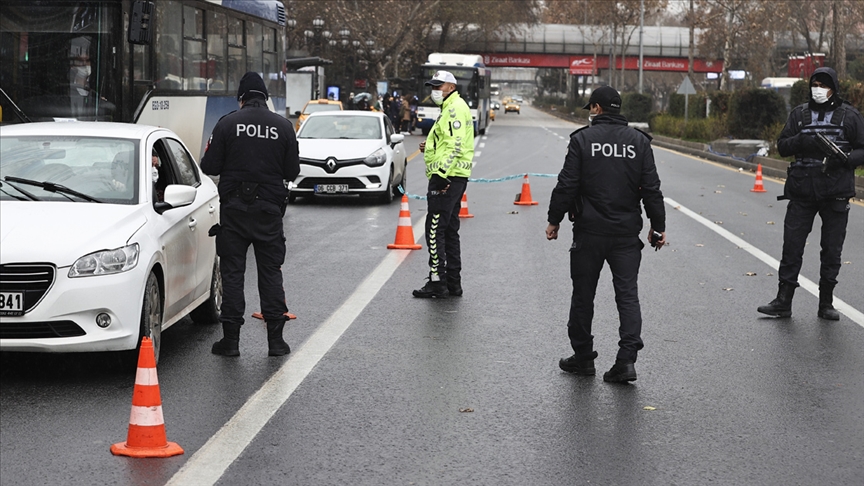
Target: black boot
454 283
433 289
621 372
277 346
826 303
782 305
579 365
230 344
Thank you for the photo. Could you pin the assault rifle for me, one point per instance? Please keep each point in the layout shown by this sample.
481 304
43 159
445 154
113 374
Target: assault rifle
830 150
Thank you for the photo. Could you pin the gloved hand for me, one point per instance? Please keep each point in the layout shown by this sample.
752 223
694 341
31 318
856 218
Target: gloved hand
835 162
438 183
807 144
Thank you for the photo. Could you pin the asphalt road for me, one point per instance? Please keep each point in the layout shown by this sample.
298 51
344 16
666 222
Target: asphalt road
379 386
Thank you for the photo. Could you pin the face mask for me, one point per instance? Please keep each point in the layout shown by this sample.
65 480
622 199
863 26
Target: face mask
820 95
155 174
437 96
79 72
591 118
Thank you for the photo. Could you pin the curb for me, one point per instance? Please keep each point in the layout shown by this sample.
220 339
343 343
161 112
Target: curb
770 167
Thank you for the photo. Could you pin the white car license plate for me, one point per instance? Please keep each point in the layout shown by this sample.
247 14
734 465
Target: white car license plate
330 188
11 303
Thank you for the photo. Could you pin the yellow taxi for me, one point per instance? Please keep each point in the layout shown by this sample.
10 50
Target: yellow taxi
314 106
512 105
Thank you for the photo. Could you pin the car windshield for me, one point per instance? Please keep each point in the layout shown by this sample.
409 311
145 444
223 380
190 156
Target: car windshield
101 168
314 108
336 127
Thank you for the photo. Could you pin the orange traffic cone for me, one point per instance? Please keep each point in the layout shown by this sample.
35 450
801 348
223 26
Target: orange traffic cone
757 186
524 197
463 211
404 231
146 437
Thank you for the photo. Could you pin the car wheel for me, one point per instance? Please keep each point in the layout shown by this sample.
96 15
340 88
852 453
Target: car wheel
386 196
151 323
396 192
211 309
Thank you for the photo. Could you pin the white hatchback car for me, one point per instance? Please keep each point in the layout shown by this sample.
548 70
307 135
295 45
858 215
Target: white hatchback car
350 152
104 237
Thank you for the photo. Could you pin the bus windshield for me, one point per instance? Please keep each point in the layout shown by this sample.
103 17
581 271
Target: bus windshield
467 83
58 60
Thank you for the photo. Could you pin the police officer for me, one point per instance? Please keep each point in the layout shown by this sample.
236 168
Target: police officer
608 169
817 184
253 151
448 152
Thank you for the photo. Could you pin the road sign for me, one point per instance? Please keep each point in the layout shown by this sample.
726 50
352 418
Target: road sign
686 87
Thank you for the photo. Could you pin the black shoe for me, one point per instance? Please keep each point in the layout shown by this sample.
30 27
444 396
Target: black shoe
621 372
436 290
579 365
828 312
454 287
230 344
275 344
782 305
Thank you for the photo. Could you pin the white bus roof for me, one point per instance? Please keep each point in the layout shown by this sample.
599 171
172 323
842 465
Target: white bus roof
473 60
779 82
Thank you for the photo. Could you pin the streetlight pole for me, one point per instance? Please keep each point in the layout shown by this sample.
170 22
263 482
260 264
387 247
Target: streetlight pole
641 26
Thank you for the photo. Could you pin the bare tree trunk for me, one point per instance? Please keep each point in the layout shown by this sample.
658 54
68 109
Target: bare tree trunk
691 20
727 52
839 51
442 41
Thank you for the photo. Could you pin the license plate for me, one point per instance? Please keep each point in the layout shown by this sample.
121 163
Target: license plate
11 303
330 188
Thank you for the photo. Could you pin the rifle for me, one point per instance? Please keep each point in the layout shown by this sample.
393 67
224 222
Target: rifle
830 150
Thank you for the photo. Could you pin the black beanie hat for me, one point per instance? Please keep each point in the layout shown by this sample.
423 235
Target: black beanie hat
825 79
251 86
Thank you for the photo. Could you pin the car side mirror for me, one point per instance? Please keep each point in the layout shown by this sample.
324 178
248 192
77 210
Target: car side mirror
396 138
176 196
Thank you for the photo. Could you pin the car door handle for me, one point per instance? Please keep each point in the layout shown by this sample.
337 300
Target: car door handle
193 223
212 209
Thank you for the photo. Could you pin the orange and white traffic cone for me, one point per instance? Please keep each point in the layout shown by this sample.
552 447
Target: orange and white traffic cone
146 437
757 186
463 211
404 230
524 197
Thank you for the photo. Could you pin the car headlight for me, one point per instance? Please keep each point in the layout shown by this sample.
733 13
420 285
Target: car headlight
377 158
106 262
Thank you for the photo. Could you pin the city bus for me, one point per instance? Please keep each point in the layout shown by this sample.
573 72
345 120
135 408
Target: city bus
473 81
170 63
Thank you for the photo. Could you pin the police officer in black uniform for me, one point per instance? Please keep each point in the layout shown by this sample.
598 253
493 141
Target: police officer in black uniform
608 169
817 184
254 152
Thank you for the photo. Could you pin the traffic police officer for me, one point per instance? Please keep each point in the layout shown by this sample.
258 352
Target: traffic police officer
448 152
254 152
817 184
608 169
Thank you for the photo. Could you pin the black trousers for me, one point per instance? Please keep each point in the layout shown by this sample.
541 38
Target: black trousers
442 229
260 225
587 256
798 224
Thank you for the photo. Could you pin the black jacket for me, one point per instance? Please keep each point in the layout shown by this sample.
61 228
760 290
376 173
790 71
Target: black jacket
254 145
609 168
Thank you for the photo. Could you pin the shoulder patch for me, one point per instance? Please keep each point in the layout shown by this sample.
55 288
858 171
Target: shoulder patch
457 124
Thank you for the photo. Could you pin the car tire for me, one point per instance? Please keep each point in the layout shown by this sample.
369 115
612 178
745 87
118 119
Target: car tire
386 196
211 309
151 323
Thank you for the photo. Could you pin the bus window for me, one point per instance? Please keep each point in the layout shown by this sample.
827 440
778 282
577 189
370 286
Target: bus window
236 54
216 46
194 68
169 63
253 47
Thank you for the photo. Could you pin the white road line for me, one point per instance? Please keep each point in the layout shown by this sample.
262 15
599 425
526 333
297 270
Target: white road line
482 144
841 306
477 154
207 465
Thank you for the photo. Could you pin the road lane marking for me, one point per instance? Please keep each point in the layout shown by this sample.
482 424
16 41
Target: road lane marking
852 313
482 144
209 463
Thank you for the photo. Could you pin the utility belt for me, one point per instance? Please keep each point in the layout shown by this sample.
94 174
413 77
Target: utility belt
805 162
248 194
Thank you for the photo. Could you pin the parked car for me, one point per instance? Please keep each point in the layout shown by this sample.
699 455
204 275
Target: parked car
512 105
104 237
315 106
350 152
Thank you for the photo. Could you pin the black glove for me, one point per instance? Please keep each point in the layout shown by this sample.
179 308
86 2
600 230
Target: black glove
807 144
438 183
835 162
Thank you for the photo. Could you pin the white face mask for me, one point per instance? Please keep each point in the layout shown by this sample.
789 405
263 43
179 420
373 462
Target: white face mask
437 96
820 95
155 174
591 118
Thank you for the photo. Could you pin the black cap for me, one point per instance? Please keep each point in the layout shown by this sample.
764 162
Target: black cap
605 96
251 86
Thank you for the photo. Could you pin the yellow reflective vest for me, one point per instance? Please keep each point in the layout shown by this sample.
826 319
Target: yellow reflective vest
450 143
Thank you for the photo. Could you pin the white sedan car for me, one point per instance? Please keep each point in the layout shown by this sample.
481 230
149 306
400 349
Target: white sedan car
350 152
104 237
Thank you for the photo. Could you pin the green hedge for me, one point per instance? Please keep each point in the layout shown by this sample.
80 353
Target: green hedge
800 93
695 105
704 130
752 110
636 107
719 103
